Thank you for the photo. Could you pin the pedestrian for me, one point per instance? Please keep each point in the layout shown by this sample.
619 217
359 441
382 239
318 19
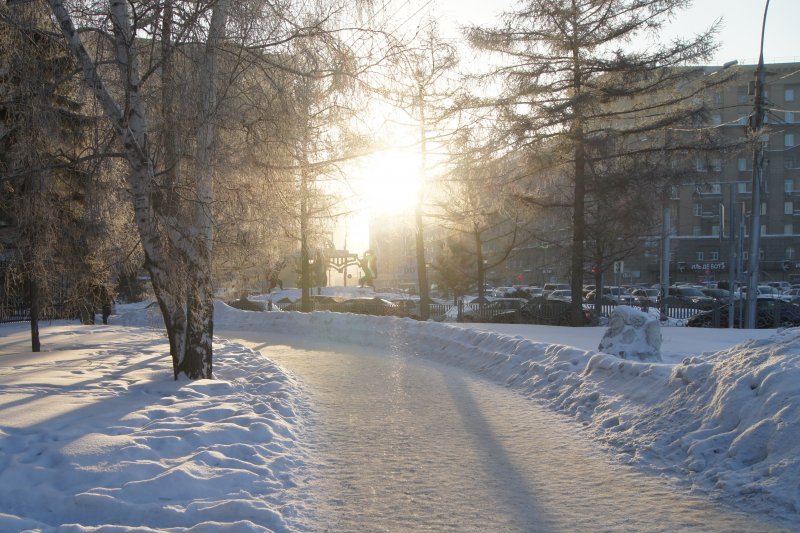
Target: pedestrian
106 302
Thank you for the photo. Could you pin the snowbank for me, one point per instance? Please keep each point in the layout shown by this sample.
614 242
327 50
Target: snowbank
729 422
97 434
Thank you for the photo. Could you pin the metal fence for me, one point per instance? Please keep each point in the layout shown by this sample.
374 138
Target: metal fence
20 313
771 314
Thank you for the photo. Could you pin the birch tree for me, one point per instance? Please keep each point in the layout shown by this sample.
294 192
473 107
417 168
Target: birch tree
187 307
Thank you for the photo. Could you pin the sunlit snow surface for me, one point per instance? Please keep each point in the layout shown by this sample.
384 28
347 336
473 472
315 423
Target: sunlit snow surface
95 432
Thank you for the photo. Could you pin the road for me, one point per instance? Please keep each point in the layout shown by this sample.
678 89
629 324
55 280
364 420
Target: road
398 443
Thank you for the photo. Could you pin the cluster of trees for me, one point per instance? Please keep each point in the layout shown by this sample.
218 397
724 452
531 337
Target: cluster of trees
193 137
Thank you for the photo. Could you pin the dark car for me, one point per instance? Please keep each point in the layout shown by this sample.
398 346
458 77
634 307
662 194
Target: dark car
486 311
769 314
690 297
552 312
369 306
247 305
318 303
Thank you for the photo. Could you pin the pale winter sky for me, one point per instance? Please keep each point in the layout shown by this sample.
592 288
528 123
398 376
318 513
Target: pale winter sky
739 39
739 36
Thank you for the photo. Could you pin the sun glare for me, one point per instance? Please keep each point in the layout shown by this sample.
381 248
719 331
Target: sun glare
390 181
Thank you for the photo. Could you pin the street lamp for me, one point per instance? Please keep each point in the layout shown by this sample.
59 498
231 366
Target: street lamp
756 124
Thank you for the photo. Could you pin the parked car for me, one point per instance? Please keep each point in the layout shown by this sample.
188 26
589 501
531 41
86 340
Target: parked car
477 312
550 312
369 306
643 295
719 295
550 287
247 305
770 313
794 294
562 295
612 295
766 292
318 303
688 296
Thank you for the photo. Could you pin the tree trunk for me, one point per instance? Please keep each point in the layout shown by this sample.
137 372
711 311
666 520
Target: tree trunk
163 256
422 269
33 295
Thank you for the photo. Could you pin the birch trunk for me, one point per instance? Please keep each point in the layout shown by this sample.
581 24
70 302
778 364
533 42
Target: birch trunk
131 129
200 298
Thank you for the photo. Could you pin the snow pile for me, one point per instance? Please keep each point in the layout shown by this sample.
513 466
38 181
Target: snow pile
729 421
632 334
100 435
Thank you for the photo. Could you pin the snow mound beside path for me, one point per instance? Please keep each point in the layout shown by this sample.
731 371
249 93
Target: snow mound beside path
729 421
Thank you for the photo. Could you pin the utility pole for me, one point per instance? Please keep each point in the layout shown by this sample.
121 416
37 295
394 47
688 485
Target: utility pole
756 127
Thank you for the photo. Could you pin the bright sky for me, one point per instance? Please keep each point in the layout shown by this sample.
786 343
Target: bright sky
739 37
392 182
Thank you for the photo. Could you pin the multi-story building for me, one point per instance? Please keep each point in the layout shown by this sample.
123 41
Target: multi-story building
702 242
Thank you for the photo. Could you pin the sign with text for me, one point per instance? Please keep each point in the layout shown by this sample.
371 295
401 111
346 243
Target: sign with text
713 266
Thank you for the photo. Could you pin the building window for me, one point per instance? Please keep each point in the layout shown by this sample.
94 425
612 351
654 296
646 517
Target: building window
700 163
715 231
788 140
763 208
745 255
716 166
790 253
789 119
715 256
699 256
787 229
741 95
741 187
788 94
743 164
696 231
717 98
763 229
761 254
788 185
788 208
788 163
698 209
674 193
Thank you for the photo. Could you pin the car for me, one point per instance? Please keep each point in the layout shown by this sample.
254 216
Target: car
794 294
549 312
612 295
550 287
644 295
770 313
688 296
318 303
247 305
768 292
782 286
484 312
369 306
562 295
720 295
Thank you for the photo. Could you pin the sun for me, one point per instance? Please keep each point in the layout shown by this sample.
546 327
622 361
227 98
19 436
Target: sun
390 181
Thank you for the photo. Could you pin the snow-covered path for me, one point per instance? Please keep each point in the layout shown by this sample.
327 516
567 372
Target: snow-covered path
402 443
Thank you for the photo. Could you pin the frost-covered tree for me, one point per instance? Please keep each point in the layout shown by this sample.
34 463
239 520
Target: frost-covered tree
572 80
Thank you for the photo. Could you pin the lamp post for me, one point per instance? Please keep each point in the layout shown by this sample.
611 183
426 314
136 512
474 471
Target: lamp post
757 124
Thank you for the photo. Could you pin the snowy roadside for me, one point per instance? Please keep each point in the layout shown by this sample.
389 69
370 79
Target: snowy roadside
95 433
726 422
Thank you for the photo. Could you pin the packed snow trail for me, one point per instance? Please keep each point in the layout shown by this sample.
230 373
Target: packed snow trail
400 443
